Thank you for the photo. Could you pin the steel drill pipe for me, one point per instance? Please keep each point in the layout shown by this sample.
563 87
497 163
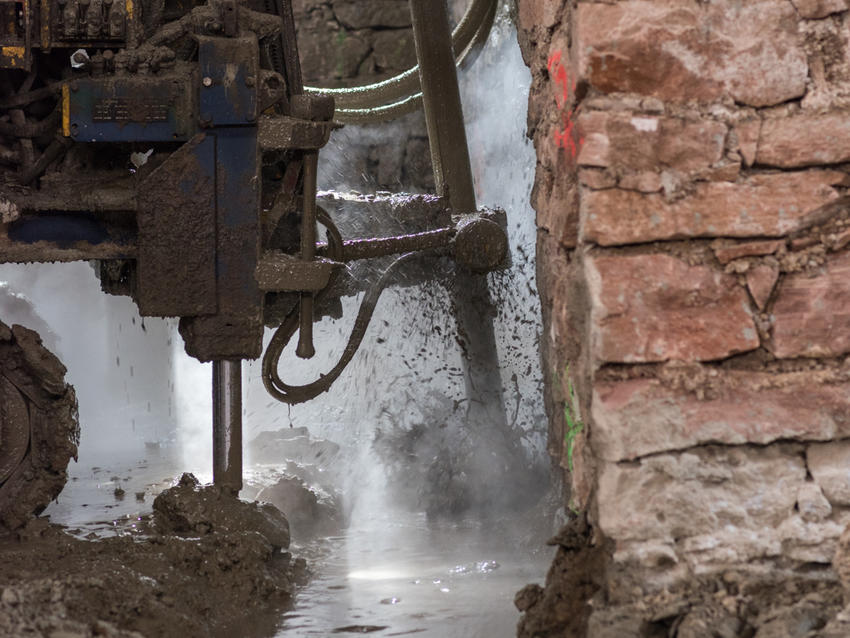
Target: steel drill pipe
473 307
227 424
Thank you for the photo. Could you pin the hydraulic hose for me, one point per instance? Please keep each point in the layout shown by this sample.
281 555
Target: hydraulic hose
24 99
399 95
293 394
30 129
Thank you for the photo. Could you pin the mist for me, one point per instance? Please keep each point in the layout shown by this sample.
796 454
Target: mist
118 363
404 391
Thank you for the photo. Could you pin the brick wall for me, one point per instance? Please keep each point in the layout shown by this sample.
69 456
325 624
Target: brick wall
694 260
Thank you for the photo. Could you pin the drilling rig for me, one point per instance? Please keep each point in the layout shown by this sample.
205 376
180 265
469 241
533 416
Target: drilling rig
172 144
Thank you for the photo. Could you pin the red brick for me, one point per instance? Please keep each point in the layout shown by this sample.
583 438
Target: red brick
643 416
725 171
726 253
555 200
811 316
648 308
679 50
644 182
764 205
805 140
597 179
642 142
596 149
803 242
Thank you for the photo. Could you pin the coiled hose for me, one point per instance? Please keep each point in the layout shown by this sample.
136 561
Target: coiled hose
293 394
399 95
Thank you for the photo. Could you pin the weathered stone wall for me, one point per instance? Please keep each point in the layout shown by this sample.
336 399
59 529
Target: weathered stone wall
694 263
351 43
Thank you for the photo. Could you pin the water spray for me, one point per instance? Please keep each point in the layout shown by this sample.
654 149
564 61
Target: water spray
214 220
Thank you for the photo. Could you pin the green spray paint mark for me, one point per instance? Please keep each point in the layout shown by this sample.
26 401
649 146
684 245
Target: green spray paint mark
572 418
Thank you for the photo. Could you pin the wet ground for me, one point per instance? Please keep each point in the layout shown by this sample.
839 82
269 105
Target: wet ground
391 572
110 498
397 575
130 574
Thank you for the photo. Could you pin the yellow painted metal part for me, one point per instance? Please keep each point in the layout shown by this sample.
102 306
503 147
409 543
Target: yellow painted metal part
66 110
13 57
45 25
15 54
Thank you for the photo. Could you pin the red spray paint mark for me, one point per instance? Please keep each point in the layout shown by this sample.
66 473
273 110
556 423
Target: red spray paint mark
566 136
559 76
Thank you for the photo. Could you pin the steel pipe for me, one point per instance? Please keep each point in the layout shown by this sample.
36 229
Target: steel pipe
473 306
400 94
305 348
441 99
227 424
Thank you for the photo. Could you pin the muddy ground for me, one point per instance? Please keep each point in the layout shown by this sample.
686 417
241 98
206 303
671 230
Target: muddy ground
204 564
744 601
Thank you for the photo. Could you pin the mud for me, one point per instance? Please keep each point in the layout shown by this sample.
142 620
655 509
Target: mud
226 574
562 607
38 425
748 601
189 509
300 475
314 511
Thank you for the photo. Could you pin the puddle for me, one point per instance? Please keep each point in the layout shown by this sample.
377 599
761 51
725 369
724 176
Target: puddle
391 573
111 498
397 575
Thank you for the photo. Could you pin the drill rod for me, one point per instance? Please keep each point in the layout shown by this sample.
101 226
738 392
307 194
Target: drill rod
441 99
473 307
227 424
305 349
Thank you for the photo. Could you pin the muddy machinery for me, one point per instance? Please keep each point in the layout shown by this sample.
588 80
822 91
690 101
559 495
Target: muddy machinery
172 144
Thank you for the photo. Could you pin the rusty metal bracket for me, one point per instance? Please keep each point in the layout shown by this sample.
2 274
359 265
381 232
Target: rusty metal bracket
279 132
279 272
230 70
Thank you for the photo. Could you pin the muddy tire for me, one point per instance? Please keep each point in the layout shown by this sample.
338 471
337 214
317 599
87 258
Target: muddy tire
39 427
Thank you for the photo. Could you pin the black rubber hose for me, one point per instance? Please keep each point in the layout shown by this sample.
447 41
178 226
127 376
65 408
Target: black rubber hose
293 394
31 129
24 99
54 151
